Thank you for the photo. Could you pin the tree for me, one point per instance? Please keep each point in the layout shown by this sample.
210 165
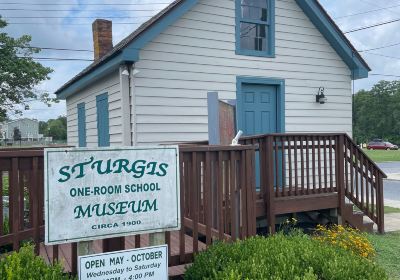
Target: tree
19 74
43 128
377 112
17 134
54 128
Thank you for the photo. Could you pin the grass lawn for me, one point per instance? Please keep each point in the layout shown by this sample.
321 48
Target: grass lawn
388 252
390 210
382 155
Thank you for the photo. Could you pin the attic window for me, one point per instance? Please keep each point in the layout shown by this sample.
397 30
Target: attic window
255 27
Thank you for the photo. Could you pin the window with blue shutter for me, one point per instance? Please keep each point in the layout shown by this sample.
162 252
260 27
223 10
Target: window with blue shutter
103 127
81 125
255 27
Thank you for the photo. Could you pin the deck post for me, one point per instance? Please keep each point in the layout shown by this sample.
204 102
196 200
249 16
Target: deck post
381 211
340 176
267 180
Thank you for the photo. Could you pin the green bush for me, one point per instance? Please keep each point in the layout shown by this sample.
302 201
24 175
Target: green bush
24 265
296 256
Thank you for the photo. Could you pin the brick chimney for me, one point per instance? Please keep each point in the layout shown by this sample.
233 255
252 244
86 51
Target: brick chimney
102 37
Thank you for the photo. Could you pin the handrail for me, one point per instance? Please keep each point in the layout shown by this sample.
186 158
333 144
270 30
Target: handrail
365 155
297 164
364 182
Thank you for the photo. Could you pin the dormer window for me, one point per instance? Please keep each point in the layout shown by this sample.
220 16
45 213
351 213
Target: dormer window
255 27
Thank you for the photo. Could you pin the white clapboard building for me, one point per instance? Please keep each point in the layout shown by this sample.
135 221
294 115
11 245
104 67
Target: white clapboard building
270 58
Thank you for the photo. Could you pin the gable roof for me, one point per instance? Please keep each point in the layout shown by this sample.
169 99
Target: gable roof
127 51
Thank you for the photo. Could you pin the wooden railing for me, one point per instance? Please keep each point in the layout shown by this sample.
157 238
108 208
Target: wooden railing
218 191
290 165
217 202
364 183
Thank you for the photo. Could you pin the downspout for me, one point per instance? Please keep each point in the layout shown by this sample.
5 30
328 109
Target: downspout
133 119
125 88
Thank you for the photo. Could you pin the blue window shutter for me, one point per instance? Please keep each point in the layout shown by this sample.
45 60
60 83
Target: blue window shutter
81 125
103 127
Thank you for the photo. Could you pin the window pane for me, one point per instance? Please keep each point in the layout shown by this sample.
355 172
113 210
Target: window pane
254 9
253 36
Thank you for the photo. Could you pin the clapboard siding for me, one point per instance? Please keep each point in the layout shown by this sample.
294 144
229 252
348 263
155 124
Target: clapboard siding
88 96
196 54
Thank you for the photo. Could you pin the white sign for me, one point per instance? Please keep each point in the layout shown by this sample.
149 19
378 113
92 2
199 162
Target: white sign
146 263
102 193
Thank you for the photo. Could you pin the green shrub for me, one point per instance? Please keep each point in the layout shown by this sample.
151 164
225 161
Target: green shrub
24 265
6 225
296 256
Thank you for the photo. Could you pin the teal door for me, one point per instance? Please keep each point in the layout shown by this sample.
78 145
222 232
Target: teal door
258 109
257 113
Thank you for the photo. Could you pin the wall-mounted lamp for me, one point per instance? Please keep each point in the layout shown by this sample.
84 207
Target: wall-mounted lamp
135 72
320 97
125 72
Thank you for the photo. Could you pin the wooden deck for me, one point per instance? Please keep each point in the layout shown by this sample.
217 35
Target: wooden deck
293 173
65 251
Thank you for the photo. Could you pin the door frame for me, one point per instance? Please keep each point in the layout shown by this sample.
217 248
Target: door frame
280 98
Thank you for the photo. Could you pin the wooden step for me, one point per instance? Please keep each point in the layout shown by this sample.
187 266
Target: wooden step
368 227
356 219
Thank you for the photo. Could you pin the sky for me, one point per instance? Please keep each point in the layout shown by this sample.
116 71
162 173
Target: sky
69 27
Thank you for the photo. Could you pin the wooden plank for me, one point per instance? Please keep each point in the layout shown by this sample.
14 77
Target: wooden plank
74 258
325 166
361 160
14 202
220 197
216 148
296 183
373 189
308 164
302 165
21 192
330 165
290 164
207 198
215 233
243 196
232 191
137 241
340 175
313 164
269 197
319 164
356 160
195 210
306 203
367 186
283 165
351 160
35 203
183 178
381 223
168 242
276 154
226 192
54 253
1 204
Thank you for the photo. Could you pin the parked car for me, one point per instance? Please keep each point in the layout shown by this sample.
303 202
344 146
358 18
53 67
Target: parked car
381 145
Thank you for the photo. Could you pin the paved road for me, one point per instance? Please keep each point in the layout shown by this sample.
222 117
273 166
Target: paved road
390 167
391 188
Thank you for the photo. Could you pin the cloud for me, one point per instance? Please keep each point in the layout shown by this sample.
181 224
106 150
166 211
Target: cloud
71 29
68 31
370 38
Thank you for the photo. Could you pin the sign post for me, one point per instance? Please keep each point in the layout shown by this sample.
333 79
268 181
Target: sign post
110 192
